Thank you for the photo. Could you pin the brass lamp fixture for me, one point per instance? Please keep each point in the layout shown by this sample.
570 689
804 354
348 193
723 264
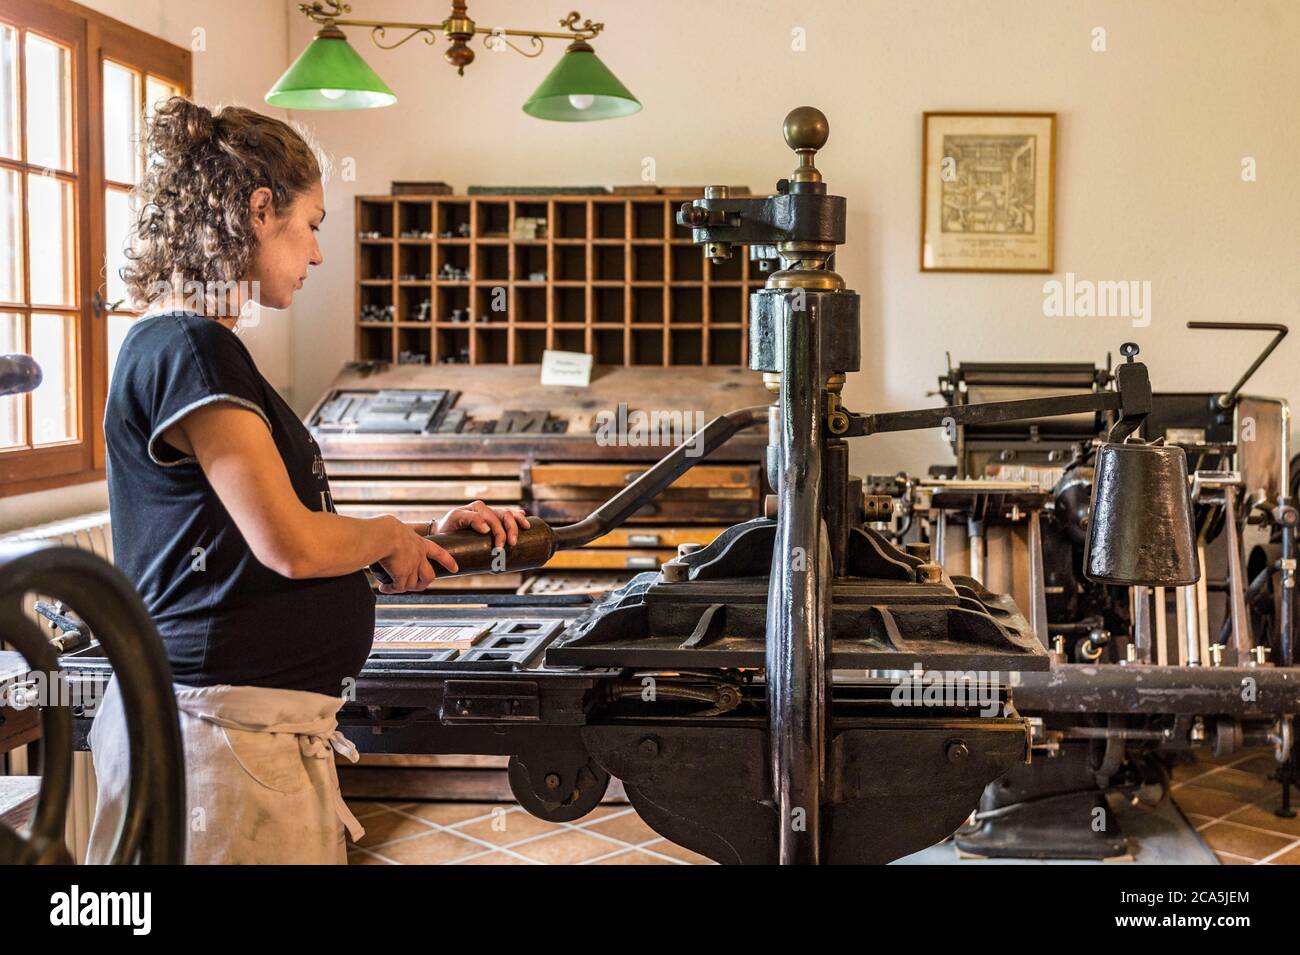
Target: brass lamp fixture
331 75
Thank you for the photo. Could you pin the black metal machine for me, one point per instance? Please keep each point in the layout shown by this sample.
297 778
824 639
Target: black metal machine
743 693
812 769
1129 689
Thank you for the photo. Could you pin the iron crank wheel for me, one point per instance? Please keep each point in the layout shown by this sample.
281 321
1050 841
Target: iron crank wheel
561 791
153 827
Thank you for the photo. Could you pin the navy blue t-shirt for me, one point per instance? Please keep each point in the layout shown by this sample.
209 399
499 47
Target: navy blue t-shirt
224 616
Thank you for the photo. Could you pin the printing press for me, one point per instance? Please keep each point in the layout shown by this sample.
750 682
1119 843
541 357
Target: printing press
1141 675
746 693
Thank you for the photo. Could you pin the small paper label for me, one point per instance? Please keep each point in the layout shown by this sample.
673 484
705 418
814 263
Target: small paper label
566 368
1193 436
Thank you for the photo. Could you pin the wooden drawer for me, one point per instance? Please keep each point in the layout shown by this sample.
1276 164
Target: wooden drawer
657 537
634 549
570 492
595 558
706 512
336 467
615 476
455 492
478 582
411 514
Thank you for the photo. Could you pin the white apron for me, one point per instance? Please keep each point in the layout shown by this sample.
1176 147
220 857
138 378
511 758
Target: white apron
260 780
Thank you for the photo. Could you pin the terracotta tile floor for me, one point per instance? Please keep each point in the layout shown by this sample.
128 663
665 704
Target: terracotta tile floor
403 833
1230 802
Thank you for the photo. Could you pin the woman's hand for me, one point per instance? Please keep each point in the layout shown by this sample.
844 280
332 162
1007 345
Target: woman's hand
503 522
410 562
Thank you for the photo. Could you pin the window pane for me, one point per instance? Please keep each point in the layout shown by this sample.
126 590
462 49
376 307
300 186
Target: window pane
9 92
49 104
155 91
49 228
121 123
11 406
11 258
117 223
118 326
54 403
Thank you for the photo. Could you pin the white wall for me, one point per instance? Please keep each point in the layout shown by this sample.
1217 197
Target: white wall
1152 133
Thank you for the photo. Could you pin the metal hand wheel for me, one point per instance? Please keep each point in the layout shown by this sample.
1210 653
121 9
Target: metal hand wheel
153 827
564 790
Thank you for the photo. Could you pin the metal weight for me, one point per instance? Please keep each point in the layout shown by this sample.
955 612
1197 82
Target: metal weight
1140 532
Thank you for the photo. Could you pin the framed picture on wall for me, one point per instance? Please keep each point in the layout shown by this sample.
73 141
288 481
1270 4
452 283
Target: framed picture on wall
987 192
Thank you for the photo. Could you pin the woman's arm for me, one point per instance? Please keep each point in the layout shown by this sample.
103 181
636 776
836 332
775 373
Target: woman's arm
243 465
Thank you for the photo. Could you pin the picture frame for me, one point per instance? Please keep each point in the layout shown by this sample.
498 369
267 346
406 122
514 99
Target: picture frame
988 192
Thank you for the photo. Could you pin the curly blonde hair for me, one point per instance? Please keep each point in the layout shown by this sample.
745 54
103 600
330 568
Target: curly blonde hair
190 207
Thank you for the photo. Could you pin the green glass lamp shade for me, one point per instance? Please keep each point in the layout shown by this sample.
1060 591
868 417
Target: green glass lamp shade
581 89
330 75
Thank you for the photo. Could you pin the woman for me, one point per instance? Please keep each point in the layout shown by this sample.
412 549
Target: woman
221 511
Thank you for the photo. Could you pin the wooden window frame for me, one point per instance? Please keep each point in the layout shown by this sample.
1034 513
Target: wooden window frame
91 39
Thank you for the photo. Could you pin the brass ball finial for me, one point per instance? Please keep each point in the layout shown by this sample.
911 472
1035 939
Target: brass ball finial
806 127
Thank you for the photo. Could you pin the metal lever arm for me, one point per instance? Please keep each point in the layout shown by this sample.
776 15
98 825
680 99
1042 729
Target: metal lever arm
1229 399
667 470
475 554
1132 399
